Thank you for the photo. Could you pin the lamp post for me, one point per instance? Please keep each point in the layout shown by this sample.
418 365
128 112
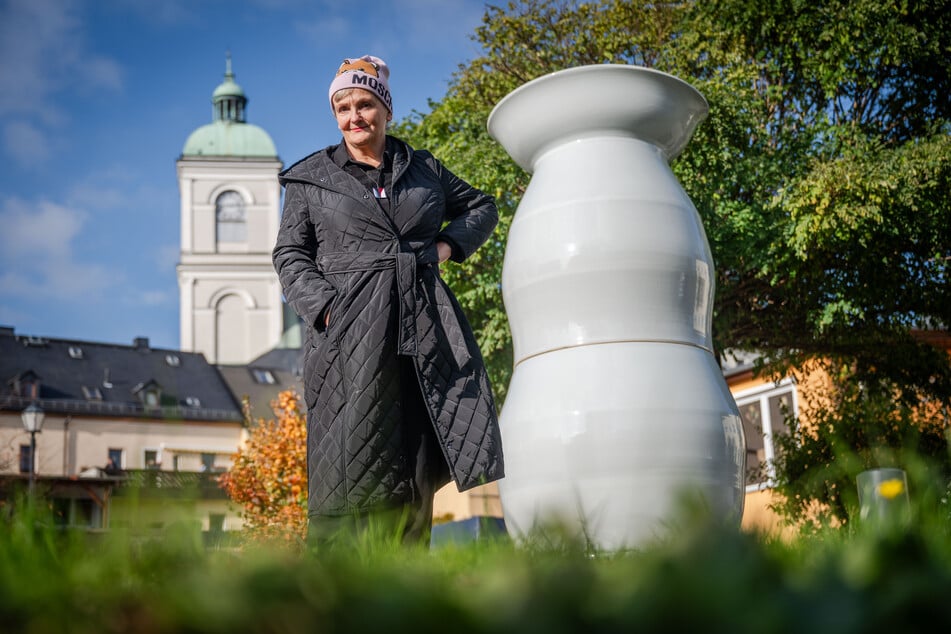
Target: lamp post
32 418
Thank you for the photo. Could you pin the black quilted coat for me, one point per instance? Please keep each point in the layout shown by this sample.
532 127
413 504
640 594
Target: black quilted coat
377 275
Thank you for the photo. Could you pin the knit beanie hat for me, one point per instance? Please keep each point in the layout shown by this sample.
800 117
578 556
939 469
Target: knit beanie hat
367 72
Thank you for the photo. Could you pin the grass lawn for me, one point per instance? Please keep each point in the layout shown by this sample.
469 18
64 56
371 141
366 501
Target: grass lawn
699 578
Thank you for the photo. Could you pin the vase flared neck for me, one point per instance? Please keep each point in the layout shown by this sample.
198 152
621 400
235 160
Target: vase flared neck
600 99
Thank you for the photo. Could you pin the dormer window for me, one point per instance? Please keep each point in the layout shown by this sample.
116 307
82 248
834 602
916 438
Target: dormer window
150 393
75 352
27 385
265 377
173 360
92 393
192 401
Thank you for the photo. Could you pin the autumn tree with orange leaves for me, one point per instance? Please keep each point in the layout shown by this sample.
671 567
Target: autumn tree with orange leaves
268 477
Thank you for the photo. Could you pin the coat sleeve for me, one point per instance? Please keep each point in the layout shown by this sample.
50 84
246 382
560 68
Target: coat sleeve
295 260
472 214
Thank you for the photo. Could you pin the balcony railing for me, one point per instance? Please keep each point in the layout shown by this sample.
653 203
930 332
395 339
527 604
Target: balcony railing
157 483
106 408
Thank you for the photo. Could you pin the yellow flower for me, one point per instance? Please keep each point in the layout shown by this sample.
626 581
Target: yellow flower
891 488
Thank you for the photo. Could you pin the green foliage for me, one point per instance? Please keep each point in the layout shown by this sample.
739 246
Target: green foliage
520 42
830 228
821 174
834 582
854 426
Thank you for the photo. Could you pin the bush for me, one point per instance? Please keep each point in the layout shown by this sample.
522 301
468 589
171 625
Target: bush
268 477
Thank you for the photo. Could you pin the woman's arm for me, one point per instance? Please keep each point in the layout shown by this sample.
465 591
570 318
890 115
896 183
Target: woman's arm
471 212
295 255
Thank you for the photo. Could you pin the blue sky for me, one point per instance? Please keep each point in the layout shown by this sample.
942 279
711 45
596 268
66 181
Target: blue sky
97 98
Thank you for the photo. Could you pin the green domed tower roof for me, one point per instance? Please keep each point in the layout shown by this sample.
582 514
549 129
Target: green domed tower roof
229 134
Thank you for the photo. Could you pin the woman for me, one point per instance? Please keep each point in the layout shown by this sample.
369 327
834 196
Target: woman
398 399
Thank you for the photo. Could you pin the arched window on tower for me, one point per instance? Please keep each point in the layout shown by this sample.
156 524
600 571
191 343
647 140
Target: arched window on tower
231 220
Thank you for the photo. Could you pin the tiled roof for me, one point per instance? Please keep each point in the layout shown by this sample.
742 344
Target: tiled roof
261 380
83 377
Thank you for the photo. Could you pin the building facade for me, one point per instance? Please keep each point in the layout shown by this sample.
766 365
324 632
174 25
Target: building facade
112 416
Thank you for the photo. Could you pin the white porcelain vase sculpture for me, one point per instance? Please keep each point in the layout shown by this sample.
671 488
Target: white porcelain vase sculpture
617 407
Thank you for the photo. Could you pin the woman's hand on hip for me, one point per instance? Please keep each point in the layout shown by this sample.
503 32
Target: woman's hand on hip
444 251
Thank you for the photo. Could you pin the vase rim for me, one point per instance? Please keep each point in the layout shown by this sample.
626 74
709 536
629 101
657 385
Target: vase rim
636 101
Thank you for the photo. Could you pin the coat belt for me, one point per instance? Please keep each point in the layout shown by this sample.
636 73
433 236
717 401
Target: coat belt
404 265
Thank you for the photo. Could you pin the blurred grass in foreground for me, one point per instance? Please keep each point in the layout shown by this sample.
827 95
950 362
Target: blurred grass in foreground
700 577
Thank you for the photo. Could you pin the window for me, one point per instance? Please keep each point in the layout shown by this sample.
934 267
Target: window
151 459
764 413
92 393
75 352
216 522
26 459
115 457
149 392
207 462
231 218
263 376
173 360
192 401
27 385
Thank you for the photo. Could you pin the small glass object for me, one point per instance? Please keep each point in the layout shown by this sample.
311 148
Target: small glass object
883 496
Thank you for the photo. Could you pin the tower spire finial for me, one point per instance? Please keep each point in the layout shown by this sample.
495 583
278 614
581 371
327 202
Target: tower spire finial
228 73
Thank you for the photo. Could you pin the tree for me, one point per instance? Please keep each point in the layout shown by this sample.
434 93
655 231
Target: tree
852 427
520 42
847 169
268 477
822 172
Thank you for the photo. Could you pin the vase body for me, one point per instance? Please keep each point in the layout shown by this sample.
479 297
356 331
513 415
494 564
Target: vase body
616 406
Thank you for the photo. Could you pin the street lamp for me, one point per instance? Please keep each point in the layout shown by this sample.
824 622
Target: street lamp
32 418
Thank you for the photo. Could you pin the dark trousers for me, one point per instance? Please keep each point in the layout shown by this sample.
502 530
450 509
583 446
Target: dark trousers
412 521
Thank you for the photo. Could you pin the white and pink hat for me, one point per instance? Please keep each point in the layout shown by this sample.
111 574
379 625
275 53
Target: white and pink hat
367 72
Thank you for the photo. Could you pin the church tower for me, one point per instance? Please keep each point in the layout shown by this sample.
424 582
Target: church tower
231 309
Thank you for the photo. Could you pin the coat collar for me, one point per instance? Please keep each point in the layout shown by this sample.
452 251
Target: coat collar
318 168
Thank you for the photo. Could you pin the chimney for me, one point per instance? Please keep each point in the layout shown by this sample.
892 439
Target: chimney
141 344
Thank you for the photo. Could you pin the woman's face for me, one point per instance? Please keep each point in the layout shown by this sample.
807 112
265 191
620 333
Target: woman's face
362 119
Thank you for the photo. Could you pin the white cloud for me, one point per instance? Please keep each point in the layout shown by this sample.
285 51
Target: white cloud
43 229
26 143
44 56
36 252
325 28
109 188
100 72
87 195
